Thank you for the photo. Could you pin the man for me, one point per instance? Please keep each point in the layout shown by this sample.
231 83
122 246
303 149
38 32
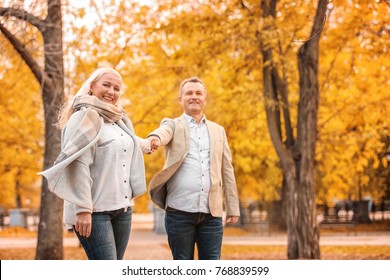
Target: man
197 178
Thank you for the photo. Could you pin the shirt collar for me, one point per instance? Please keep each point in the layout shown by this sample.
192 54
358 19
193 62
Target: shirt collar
191 119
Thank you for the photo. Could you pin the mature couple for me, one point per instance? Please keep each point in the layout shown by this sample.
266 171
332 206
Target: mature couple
100 171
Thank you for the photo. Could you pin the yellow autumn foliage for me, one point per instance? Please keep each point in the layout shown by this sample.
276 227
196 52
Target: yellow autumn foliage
155 46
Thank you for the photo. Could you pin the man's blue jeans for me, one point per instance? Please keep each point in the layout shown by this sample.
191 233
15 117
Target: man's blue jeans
185 229
109 236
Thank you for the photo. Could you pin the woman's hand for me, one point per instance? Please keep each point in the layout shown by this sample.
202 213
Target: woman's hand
84 224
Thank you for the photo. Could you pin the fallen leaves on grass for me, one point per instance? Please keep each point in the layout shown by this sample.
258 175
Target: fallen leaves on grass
269 252
17 232
233 252
70 253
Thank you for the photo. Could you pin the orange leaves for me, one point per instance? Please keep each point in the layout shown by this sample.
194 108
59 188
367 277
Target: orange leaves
155 46
21 140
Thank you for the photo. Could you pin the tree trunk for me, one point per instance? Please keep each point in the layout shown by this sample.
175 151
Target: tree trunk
18 197
308 244
51 79
50 230
297 158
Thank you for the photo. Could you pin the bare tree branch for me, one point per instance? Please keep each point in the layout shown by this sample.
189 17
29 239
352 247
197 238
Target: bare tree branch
123 51
281 88
319 21
24 53
23 15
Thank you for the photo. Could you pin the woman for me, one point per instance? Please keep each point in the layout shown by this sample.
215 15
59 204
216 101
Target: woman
100 169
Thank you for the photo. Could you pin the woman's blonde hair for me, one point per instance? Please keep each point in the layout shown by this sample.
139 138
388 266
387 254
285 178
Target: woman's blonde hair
67 108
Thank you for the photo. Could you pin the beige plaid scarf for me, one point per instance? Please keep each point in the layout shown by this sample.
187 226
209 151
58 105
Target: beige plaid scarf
110 113
89 126
87 134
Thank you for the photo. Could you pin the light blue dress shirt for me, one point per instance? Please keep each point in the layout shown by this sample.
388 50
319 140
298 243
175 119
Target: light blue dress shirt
188 189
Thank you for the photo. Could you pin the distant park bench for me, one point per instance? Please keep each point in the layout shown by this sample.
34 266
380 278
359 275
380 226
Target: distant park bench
333 218
348 226
344 216
255 218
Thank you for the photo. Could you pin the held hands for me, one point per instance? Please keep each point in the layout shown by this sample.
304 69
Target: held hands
155 143
149 145
84 224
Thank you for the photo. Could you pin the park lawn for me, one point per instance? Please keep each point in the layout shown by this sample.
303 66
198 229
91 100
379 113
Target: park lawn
274 252
229 252
70 253
233 252
17 232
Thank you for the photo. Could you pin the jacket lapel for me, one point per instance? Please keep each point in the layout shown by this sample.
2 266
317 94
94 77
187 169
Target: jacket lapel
186 127
212 135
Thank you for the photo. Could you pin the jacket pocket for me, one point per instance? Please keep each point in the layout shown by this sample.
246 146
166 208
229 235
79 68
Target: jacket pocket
101 145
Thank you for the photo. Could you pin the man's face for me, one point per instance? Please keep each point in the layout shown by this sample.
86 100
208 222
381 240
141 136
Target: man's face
193 98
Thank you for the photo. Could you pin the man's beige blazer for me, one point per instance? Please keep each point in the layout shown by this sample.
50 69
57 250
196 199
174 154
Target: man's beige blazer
175 136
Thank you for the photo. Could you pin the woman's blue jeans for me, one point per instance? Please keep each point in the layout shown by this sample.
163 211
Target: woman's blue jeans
109 236
185 229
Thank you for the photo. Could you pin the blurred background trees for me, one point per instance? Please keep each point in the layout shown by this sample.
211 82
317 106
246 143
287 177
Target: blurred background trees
156 44
34 30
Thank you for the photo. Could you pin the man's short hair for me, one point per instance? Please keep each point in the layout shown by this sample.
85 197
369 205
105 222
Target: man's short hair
191 80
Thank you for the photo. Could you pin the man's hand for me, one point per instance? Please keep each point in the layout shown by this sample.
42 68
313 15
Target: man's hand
231 219
84 224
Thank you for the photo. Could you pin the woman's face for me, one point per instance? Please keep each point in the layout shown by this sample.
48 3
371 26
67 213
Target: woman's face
107 88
